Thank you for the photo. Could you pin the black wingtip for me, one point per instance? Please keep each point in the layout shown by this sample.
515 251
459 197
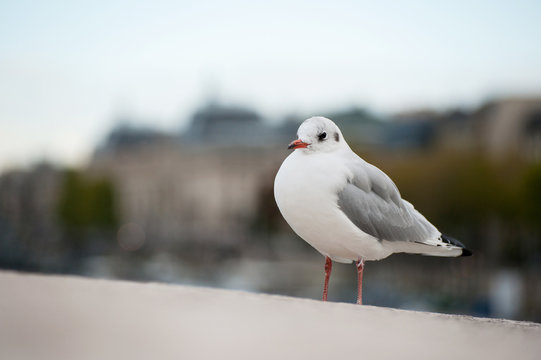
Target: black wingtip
453 241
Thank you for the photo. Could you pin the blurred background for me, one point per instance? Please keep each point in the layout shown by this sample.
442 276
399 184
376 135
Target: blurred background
139 140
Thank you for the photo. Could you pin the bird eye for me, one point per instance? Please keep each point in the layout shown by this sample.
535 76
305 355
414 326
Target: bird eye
322 136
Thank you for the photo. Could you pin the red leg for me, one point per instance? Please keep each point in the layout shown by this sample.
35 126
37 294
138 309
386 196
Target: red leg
360 268
328 268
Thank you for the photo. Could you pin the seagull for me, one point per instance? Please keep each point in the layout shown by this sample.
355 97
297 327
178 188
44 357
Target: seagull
347 209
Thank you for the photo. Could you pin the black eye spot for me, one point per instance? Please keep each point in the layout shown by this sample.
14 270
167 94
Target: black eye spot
322 136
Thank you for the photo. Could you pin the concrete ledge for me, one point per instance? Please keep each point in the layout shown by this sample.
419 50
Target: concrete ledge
60 317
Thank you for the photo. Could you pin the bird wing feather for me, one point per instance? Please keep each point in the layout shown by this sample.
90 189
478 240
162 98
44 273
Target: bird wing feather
371 200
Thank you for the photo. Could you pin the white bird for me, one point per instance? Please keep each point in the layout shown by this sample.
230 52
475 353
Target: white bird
348 209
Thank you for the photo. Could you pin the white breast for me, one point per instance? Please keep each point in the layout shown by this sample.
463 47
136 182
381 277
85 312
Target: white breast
305 189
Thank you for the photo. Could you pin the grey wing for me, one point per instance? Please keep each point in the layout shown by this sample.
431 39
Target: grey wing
372 202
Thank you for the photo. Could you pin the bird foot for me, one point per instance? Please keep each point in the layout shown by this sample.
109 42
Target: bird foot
359 264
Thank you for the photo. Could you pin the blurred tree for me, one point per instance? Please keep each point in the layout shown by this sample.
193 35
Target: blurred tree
85 205
531 195
493 207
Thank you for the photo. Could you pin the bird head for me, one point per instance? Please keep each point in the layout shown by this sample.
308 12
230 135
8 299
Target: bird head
318 134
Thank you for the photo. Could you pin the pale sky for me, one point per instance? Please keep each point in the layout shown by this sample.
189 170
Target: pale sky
69 69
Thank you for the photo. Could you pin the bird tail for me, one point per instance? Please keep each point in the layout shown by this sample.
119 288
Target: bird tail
452 241
441 246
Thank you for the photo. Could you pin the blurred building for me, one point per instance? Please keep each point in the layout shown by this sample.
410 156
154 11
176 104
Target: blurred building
510 127
362 128
455 130
412 130
126 136
217 125
503 128
199 189
29 231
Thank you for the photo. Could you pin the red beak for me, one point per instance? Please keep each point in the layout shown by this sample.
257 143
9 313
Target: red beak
297 144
